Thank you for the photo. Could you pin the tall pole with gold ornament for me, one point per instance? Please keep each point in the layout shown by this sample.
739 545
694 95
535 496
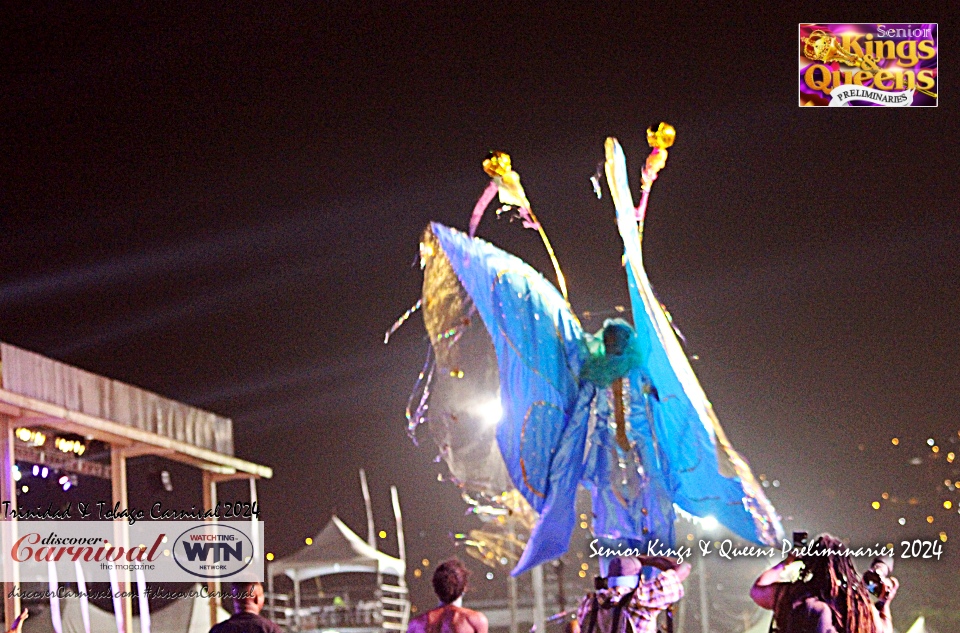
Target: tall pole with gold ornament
497 166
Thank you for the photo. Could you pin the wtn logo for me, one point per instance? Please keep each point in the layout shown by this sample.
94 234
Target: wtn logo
213 551
221 551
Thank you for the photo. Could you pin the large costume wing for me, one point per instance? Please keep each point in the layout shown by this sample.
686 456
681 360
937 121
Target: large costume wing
537 341
709 477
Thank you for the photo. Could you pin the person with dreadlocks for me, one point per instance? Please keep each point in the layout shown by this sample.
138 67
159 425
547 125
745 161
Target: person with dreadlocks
821 592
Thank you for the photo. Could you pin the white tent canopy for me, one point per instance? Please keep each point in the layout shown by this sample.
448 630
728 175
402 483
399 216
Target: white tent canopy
336 550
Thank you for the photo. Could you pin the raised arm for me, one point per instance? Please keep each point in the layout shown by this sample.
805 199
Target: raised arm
764 589
881 610
663 563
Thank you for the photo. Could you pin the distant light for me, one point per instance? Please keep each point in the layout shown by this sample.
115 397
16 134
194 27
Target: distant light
935 449
947 504
895 441
950 457
382 534
916 461
583 525
776 483
25 488
885 495
425 562
490 411
582 574
489 575
689 537
165 481
36 470
943 536
417 573
930 442
269 555
308 541
710 523
64 479
66 486
930 519
584 566
504 560
16 474
902 521
876 505
44 472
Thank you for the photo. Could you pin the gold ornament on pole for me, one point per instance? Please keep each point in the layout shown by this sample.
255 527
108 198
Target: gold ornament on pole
497 165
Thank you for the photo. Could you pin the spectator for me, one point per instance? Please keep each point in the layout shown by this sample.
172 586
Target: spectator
449 583
628 603
821 592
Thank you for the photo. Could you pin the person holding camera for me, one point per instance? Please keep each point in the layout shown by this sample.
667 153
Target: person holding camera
624 603
821 592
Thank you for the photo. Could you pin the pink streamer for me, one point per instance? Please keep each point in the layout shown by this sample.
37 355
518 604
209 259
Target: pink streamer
528 222
642 207
481 206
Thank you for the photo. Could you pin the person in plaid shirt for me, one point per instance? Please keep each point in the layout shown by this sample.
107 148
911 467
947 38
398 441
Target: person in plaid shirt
629 604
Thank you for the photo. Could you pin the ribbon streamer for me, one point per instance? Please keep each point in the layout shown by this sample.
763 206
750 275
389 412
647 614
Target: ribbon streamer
52 583
403 318
481 206
144 602
84 600
117 604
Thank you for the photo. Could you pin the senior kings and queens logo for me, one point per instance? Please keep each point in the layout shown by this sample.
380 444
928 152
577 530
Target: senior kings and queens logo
868 65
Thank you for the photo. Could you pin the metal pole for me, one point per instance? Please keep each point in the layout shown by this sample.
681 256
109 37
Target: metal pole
118 480
395 498
561 593
8 493
371 541
402 547
209 501
539 608
704 603
512 582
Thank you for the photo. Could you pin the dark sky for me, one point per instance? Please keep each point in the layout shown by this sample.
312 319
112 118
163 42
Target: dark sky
223 206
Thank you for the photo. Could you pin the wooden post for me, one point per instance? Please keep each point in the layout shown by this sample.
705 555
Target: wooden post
118 480
8 493
209 501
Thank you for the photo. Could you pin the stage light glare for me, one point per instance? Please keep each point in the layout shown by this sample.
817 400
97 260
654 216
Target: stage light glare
490 411
710 523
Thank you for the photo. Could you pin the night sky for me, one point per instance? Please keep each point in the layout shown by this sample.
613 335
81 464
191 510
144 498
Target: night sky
223 205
